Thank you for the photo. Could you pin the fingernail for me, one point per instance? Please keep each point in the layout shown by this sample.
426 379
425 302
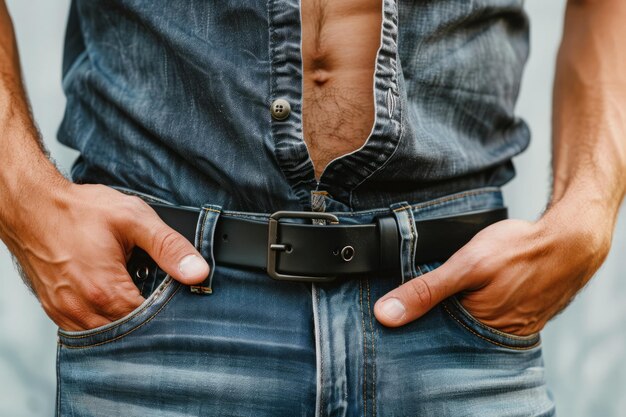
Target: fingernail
393 309
192 266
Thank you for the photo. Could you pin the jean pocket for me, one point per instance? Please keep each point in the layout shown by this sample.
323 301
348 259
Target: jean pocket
116 330
154 284
476 329
465 319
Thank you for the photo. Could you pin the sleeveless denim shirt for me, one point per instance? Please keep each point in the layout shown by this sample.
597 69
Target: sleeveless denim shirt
172 98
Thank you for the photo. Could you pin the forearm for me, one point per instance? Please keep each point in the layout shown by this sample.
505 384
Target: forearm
25 169
552 258
589 114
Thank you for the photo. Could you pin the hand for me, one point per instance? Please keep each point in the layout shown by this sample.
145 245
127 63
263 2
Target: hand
75 246
513 275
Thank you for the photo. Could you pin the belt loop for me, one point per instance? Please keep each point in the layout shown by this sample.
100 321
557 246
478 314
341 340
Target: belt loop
205 231
408 238
318 204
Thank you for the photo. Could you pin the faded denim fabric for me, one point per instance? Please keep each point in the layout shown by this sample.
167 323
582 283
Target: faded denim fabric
173 98
265 348
171 101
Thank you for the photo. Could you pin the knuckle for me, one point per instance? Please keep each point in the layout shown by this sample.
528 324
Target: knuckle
118 310
421 291
94 322
476 257
97 188
167 242
97 296
64 301
132 204
72 310
136 201
129 209
75 313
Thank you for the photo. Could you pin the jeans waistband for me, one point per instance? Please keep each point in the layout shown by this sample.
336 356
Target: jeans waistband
405 213
469 200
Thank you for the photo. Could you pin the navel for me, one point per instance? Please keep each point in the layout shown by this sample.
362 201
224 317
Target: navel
320 76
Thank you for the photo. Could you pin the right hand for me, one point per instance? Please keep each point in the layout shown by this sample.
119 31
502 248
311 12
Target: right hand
73 244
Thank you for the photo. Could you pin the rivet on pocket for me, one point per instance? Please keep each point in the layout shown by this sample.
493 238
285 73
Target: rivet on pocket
142 272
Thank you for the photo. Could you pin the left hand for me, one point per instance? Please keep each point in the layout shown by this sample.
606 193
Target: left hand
514 275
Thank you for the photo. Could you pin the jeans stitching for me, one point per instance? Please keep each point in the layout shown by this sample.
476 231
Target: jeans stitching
211 251
413 246
200 239
364 348
131 330
201 235
427 204
369 312
452 197
321 359
318 349
58 413
411 240
488 339
393 18
495 331
69 336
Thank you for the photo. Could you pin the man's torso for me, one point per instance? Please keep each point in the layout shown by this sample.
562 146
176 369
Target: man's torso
339 44
173 99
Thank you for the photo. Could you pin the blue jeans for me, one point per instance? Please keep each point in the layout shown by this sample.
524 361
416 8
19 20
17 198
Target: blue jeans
259 347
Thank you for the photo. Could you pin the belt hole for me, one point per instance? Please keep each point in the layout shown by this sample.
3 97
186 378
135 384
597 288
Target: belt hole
225 237
288 248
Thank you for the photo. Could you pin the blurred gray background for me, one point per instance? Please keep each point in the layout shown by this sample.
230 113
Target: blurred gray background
584 347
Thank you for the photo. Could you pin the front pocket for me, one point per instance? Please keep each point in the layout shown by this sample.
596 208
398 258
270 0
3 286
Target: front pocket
464 319
122 327
153 283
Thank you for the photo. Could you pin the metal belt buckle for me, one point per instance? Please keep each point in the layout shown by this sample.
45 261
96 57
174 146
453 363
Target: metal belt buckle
273 246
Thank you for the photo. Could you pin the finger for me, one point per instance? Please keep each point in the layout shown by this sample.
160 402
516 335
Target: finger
122 308
417 296
122 304
81 322
169 249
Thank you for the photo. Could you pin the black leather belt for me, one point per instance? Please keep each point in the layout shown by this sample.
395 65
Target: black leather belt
322 252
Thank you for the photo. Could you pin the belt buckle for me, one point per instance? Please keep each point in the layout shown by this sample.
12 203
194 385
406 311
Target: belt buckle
273 246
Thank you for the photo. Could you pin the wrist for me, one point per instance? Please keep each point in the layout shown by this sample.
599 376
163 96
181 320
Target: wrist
584 220
603 190
26 195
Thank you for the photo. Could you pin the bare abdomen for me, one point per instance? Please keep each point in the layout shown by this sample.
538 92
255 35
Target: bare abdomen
339 44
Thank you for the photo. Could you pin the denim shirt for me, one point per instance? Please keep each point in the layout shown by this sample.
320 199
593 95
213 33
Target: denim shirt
172 98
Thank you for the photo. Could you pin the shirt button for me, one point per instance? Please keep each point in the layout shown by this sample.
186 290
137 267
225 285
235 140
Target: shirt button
280 109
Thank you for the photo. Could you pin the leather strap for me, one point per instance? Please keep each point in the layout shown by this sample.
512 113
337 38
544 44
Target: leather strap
316 249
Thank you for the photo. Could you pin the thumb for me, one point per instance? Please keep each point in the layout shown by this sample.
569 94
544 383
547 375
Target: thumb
170 250
417 296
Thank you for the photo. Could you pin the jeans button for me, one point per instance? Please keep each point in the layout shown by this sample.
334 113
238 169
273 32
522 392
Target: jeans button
280 109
